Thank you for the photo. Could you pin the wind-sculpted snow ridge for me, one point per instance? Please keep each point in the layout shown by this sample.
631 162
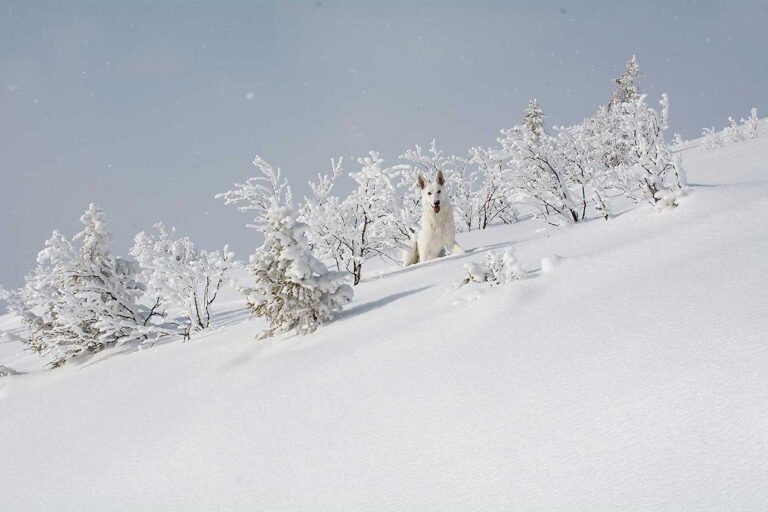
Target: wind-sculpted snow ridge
628 376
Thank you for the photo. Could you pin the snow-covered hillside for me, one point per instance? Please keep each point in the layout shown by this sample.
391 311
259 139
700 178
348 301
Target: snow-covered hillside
631 376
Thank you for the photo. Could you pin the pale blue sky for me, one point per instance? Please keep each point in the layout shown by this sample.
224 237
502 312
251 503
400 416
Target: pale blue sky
145 108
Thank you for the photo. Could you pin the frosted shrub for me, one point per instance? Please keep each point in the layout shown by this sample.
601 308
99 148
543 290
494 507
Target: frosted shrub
294 291
492 199
647 170
182 280
80 298
746 129
537 172
749 126
367 223
732 132
711 139
499 267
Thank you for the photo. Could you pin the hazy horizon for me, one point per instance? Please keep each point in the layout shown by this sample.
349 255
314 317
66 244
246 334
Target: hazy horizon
150 110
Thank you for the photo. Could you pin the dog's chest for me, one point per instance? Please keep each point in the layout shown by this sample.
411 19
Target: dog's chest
437 223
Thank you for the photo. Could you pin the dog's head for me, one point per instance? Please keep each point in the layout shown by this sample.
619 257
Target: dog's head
432 192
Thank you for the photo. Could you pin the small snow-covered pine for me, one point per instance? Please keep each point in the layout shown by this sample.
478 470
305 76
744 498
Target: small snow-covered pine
626 85
294 290
533 119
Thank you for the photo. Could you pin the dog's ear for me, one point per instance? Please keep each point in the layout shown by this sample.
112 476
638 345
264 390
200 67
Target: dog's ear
440 178
420 182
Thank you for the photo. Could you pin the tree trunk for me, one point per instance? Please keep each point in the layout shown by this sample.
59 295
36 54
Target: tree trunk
357 270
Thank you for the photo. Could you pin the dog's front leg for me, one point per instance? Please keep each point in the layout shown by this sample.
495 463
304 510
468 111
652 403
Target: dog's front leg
455 247
423 249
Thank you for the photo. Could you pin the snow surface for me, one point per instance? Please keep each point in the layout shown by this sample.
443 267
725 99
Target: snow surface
631 376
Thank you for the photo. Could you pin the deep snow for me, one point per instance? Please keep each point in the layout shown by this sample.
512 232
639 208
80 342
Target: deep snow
629 376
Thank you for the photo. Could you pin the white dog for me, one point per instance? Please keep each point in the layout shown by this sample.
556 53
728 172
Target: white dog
437 230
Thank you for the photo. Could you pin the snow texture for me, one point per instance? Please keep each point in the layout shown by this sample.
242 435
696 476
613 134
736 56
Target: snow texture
632 378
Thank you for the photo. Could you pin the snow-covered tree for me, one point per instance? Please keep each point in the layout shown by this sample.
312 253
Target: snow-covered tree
538 174
533 119
80 297
257 194
39 301
732 132
749 126
372 219
106 286
367 211
584 168
626 85
182 280
492 199
711 139
294 291
498 267
322 212
647 170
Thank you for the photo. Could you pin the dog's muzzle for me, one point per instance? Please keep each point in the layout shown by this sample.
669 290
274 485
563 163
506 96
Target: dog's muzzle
436 206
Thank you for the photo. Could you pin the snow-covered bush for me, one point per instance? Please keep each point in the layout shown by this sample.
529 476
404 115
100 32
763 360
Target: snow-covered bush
584 168
492 198
498 267
538 174
734 132
81 298
372 219
711 139
182 280
749 126
648 170
294 291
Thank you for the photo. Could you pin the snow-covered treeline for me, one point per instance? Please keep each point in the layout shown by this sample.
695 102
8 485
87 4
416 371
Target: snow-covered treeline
561 176
734 132
81 298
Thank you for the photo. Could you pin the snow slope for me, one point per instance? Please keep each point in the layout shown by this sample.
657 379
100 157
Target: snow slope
632 376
